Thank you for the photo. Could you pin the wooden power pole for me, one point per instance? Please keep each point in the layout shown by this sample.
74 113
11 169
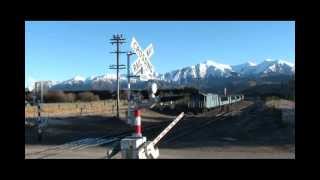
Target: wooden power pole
117 39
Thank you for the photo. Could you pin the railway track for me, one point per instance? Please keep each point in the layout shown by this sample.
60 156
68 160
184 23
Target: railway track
189 129
85 142
192 127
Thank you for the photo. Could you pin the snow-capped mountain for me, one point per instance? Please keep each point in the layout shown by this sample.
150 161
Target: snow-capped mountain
46 84
75 80
274 67
210 68
264 68
201 70
245 69
204 71
102 82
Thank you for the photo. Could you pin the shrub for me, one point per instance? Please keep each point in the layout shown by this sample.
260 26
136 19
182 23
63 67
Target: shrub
54 96
269 98
87 96
59 96
96 98
70 97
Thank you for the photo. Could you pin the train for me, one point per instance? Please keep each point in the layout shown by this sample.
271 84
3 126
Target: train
195 101
201 102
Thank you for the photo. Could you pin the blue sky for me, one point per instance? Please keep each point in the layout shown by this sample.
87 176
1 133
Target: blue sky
60 50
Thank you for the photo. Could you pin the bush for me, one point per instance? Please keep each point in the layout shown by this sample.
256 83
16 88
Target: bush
28 97
70 97
59 96
123 95
269 98
87 96
55 96
96 98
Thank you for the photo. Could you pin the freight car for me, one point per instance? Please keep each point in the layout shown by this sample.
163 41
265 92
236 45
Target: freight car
201 102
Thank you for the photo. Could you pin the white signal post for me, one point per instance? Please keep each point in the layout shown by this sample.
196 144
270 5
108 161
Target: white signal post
129 76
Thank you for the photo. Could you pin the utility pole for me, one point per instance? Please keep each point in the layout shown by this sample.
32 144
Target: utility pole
41 91
39 87
198 83
39 101
117 39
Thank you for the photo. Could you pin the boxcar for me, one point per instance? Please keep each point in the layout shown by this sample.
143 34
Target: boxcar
201 101
211 101
204 101
224 100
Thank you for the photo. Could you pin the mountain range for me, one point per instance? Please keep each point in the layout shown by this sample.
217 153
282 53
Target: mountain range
208 73
209 69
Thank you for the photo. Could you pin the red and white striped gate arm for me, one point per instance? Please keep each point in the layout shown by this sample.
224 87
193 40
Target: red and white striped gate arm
167 129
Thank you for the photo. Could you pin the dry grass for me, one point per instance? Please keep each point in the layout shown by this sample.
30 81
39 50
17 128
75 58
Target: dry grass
52 109
280 104
287 109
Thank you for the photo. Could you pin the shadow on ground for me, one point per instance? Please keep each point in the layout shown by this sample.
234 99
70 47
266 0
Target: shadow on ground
61 130
251 127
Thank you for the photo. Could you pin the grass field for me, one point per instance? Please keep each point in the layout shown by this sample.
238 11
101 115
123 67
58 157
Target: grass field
54 109
280 104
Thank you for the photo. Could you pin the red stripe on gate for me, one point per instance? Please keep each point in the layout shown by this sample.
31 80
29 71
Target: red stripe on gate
137 130
137 113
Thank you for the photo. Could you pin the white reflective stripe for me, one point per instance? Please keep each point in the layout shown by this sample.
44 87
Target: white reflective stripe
137 121
167 129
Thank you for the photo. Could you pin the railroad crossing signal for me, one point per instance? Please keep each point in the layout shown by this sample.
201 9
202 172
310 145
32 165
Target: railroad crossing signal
142 66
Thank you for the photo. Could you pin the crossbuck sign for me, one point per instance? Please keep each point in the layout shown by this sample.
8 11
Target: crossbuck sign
142 66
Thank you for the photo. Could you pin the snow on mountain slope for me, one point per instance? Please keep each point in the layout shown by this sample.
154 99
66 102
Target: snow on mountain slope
274 66
244 69
30 83
107 81
202 70
75 80
218 66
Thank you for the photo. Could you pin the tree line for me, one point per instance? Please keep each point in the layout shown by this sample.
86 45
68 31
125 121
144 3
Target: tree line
76 96
86 96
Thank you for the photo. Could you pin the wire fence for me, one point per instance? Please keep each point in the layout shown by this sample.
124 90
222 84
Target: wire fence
76 108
